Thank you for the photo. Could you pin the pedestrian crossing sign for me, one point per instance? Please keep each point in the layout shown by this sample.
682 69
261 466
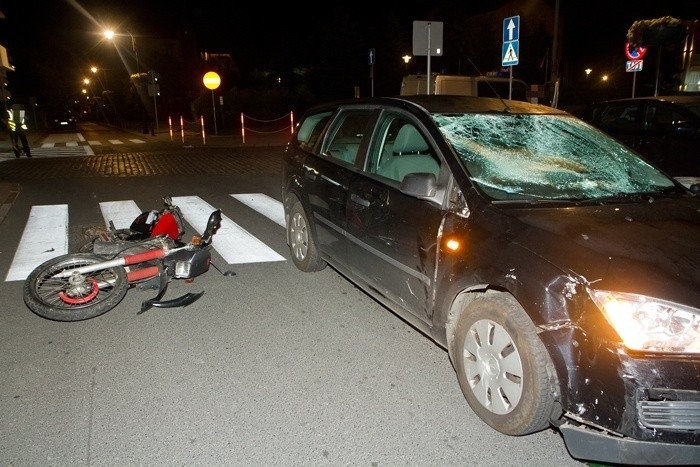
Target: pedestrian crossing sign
510 53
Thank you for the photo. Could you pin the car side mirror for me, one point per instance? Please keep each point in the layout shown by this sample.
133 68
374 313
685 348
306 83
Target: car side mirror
420 185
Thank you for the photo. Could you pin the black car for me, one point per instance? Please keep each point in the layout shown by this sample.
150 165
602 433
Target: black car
557 267
63 121
663 129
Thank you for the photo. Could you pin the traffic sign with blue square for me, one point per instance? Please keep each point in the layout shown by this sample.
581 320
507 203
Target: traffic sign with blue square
510 53
511 29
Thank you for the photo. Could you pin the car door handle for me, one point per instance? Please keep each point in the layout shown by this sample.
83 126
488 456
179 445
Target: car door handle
359 200
311 174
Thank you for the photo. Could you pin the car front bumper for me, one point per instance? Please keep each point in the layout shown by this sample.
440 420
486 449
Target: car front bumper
591 445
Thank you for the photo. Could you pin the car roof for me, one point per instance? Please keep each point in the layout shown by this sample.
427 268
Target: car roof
679 99
448 104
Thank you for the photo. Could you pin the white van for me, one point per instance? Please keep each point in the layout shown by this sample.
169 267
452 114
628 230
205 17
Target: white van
484 86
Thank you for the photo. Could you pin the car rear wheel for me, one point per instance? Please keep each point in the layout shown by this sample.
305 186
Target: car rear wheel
302 244
502 366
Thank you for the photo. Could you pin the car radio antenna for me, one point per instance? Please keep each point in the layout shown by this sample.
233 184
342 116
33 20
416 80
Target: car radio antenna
505 105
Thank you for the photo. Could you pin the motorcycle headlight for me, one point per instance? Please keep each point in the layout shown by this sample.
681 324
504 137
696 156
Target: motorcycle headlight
648 324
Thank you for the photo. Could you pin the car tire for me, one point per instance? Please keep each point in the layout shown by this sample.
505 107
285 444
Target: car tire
302 244
502 366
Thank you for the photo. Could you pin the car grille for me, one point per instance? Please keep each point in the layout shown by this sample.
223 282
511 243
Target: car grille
669 409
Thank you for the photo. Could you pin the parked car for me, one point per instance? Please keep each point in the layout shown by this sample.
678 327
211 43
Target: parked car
557 267
63 120
663 129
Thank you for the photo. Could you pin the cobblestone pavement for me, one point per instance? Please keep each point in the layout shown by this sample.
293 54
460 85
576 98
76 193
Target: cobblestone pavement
215 161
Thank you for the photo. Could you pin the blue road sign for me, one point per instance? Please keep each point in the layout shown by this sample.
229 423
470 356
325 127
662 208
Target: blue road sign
511 29
509 53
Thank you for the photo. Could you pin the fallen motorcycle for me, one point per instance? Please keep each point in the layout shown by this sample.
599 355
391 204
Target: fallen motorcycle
79 286
168 221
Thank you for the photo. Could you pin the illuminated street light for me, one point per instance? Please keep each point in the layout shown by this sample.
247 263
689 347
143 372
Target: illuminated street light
109 34
605 77
406 59
588 72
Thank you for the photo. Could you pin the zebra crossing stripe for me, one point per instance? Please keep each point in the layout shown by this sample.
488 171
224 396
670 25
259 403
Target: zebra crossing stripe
45 236
138 141
115 141
121 213
235 244
265 205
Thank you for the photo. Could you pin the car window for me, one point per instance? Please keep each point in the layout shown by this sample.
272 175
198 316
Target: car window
311 128
400 149
346 135
619 116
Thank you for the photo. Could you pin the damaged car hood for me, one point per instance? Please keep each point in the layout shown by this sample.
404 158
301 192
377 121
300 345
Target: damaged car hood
651 248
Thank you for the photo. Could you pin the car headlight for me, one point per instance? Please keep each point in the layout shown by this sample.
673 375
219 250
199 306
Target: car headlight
648 324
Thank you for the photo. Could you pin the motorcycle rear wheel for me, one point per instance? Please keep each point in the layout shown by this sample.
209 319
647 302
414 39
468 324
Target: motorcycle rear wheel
78 297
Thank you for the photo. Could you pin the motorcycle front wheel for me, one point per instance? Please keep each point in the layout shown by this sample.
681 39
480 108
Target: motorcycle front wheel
77 297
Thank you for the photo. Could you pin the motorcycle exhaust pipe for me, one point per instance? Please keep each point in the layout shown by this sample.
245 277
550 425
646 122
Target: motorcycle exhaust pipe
125 261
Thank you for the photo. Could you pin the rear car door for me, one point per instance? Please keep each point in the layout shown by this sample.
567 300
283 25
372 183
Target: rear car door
392 236
327 176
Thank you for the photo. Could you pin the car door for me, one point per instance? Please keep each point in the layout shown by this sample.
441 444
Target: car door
327 176
391 235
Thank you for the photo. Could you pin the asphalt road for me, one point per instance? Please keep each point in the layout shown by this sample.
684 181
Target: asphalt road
270 367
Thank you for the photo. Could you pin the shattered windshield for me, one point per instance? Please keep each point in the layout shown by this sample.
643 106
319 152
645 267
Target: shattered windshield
512 157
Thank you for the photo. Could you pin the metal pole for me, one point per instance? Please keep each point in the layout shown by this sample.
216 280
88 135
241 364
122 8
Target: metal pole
136 53
428 77
510 84
155 107
213 107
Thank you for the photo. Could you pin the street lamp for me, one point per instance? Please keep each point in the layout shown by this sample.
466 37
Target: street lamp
406 59
588 72
109 34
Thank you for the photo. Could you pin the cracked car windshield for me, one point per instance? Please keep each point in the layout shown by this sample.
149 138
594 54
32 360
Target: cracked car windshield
513 157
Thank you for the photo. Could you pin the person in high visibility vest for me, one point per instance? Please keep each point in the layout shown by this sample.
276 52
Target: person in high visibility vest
18 135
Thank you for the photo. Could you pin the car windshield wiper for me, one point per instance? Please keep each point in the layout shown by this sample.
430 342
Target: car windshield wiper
534 201
648 196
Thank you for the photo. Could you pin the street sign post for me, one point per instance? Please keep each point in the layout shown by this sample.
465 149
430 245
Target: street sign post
510 50
634 62
427 40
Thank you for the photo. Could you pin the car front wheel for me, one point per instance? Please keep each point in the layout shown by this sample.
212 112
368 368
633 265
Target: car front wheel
502 366
302 244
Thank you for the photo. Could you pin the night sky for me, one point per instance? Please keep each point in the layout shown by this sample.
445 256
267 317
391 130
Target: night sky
64 35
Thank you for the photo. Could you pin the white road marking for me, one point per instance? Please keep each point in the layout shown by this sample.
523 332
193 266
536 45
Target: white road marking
235 244
71 144
115 141
48 145
121 213
95 143
265 205
45 236
140 141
